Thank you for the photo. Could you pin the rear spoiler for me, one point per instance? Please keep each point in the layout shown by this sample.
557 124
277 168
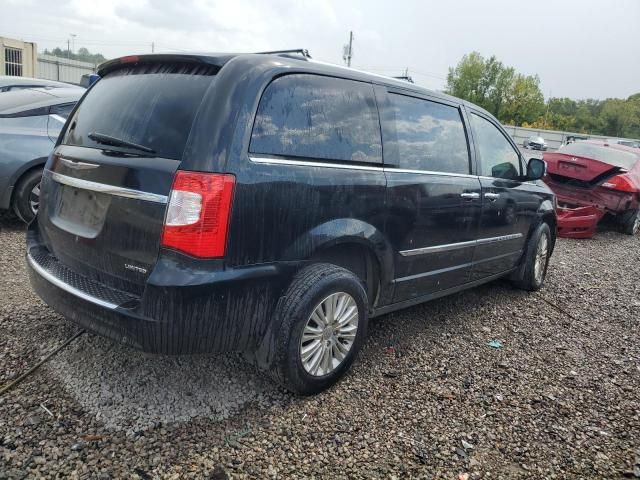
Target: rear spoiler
194 59
213 59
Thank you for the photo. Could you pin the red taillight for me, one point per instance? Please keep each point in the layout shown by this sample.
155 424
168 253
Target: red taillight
129 59
622 183
197 217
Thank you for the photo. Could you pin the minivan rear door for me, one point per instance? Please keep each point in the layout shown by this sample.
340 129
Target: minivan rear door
105 187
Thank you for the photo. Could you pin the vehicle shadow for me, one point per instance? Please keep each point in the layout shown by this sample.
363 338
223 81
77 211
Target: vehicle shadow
130 390
8 221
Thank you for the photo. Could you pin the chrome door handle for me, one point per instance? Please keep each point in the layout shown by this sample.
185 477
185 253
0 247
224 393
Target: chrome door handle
470 195
492 196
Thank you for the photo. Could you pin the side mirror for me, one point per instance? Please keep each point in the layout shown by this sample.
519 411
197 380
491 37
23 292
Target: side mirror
536 169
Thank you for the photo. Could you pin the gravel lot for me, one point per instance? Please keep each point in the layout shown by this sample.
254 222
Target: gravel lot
560 399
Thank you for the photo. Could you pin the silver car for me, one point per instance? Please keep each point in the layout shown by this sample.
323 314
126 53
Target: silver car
30 121
535 143
10 83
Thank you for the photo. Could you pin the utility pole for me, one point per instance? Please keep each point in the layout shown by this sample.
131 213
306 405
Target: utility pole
68 48
348 50
73 42
153 47
546 114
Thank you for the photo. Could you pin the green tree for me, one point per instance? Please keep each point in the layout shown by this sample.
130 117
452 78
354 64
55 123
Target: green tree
466 79
83 55
524 101
516 99
510 96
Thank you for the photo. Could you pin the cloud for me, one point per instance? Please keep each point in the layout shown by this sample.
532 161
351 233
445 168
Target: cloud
426 37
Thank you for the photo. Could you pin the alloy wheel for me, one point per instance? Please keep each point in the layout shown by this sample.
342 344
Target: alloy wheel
541 258
34 198
329 334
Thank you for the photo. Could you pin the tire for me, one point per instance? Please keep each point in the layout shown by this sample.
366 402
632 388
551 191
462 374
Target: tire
533 269
26 197
631 222
309 291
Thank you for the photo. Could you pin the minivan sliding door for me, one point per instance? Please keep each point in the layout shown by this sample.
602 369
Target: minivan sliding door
433 199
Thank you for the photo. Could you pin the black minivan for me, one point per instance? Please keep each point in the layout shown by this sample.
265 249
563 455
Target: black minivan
272 205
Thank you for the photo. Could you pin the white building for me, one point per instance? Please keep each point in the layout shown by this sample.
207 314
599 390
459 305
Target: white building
19 59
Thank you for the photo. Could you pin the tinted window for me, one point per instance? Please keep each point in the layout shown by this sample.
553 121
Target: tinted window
62 110
609 155
497 156
429 136
25 125
154 107
318 117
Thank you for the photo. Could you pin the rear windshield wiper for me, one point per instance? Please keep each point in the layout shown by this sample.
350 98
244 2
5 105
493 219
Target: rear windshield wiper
117 142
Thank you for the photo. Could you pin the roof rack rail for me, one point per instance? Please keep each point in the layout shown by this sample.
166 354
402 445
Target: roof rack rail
300 51
406 78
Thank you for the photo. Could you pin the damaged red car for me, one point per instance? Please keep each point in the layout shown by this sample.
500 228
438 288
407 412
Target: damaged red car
596 176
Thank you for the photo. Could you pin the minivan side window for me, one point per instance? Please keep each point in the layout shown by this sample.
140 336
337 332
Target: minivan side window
497 156
312 116
428 136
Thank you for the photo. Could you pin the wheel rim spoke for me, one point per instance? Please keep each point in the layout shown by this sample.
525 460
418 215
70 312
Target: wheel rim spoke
319 318
310 350
329 334
316 360
338 353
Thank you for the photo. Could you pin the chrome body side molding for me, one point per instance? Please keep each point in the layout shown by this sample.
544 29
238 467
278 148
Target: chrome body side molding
456 246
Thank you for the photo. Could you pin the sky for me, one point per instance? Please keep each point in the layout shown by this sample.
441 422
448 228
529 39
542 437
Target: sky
578 48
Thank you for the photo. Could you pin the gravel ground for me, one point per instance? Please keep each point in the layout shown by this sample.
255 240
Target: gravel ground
427 399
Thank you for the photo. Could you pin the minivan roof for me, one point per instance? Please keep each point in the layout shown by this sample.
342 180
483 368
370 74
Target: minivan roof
282 61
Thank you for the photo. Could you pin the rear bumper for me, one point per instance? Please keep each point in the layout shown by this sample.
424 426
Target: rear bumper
578 222
230 312
610 201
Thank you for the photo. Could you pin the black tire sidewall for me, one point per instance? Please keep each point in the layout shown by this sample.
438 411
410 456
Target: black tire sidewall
530 276
629 221
295 376
22 193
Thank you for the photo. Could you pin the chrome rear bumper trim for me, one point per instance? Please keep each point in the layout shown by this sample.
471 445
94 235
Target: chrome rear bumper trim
108 189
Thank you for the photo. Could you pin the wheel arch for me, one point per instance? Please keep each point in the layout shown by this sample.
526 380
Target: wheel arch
26 169
344 242
547 214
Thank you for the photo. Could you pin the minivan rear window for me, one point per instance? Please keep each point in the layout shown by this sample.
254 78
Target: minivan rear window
312 116
150 106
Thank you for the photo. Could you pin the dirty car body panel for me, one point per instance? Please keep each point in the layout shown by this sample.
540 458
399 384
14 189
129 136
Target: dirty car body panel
295 201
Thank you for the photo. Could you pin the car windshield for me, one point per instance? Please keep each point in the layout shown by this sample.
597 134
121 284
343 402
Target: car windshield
601 153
